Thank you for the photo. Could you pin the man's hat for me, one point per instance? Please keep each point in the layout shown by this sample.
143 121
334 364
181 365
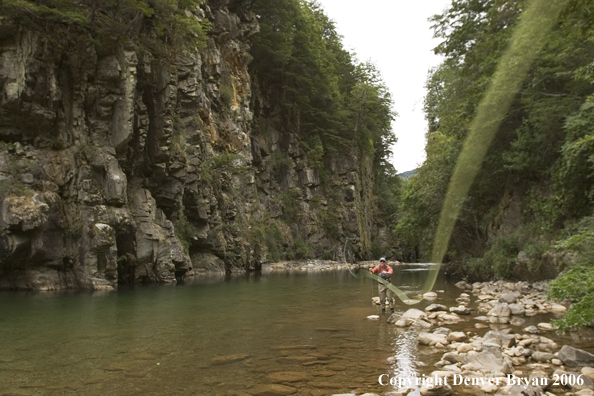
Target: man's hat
383 259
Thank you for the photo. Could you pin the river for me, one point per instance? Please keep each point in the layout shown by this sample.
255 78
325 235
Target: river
213 336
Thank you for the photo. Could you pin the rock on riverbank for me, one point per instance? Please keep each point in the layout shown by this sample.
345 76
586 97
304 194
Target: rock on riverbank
511 358
306 265
504 361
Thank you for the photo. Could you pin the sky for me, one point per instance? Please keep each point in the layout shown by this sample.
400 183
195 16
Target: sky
397 37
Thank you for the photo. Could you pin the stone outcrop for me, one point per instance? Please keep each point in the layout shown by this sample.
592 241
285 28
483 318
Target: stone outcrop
117 166
504 361
573 357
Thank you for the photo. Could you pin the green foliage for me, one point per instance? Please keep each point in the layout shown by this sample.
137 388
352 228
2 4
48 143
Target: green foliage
577 238
14 188
422 196
330 217
161 27
212 168
387 188
499 257
289 201
331 102
266 231
334 104
545 209
126 258
184 230
576 285
301 249
574 176
86 151
576 242
280 162
498 261
59 12
542 152
315 154
179 141
226 91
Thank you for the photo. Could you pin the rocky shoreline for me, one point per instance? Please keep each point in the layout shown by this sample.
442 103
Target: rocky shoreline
509 359
312 265
307 265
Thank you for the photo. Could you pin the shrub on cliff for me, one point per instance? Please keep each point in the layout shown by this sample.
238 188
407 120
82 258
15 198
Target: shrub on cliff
577 283
159 26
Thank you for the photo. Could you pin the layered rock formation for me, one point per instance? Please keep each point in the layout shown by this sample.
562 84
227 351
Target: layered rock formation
122 167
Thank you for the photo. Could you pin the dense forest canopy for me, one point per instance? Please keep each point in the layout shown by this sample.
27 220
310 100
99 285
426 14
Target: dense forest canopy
532 200
161 27
326 96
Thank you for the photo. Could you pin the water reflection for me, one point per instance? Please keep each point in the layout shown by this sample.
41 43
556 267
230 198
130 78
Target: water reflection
405 361
214 335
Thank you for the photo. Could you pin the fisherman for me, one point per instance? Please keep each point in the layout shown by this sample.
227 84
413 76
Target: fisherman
385 272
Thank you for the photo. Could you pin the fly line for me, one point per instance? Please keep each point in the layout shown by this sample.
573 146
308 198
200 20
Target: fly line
527 40
529 37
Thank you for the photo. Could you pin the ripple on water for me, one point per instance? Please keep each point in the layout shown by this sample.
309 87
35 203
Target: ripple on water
111 344
288 376
405 357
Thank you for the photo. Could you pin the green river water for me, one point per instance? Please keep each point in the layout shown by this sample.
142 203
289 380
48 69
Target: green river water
212 336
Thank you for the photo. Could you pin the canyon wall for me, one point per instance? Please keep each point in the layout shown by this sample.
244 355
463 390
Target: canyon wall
120 167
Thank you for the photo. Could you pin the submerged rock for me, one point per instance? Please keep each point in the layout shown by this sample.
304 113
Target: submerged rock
288 376
430 296
524 390
517 309
229 358
450 318
517 321
272 390
462 285
542 357
585 392
532 330
442 330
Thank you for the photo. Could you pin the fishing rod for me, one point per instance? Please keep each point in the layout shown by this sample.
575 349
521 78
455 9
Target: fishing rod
355 271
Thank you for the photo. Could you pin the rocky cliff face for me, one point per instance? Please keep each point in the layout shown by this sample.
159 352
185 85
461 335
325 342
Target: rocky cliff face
121 167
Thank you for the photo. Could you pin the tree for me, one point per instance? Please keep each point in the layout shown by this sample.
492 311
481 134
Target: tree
161 27
324 97
540 156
